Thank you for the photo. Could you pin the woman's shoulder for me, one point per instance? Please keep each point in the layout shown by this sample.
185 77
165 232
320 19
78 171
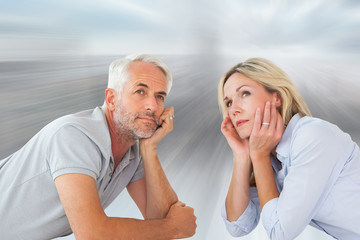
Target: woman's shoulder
312 132
315 127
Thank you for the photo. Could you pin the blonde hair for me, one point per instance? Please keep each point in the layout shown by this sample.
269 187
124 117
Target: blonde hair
273 79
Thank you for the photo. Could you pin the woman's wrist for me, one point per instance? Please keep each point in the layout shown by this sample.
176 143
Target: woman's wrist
242 168
242 160
260 158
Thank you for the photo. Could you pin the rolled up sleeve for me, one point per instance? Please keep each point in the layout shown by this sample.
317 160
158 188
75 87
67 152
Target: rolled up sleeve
247 221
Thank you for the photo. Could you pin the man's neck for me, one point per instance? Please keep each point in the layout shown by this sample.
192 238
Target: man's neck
119 147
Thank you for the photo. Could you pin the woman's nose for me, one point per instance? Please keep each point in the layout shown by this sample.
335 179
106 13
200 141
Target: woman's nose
236 106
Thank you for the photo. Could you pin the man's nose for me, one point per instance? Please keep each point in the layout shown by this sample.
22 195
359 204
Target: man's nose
151 104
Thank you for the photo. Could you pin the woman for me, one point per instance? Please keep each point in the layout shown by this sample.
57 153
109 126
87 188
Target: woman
305 170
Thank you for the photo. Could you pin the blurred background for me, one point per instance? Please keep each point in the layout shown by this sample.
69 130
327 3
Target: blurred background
54 57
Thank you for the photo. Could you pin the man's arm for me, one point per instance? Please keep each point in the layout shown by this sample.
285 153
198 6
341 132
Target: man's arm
137 191
159 194
81 202
153 194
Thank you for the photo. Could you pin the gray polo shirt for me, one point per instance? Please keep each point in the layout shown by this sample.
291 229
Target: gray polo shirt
30 207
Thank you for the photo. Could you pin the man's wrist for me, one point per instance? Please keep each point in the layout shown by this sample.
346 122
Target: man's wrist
169 229
147 148
147 152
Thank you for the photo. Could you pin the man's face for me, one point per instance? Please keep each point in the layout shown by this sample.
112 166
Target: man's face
141 101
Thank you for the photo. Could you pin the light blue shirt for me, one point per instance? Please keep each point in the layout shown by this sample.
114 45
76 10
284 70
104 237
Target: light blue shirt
318 176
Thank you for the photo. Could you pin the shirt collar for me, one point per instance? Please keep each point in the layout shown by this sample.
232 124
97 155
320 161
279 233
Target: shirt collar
132 153
283 148
135 150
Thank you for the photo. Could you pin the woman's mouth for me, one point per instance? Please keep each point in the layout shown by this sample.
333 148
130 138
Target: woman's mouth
241 122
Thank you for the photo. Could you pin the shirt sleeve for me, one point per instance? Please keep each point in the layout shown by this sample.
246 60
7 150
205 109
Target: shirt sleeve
313 169
139 173
72 151
248 220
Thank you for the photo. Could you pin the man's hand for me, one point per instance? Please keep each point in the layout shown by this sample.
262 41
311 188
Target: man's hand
166 126
182 219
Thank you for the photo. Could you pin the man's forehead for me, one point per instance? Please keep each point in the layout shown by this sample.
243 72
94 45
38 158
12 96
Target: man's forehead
150 83
138 67
146 75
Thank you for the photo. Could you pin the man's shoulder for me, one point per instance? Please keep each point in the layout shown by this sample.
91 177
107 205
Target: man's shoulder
91 123
91 120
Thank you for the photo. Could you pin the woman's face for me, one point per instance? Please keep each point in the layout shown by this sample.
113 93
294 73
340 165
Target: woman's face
242 96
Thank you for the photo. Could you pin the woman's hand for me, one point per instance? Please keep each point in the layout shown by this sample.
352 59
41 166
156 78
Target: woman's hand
267 132
237 145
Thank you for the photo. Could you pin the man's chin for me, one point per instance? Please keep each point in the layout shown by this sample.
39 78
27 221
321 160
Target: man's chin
145 134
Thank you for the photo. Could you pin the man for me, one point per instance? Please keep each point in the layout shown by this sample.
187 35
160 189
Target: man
64 177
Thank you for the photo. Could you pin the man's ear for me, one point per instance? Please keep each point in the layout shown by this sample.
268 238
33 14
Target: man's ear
110 99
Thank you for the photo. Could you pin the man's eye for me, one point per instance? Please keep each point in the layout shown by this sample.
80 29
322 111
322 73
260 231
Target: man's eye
140 91
161 97
228 104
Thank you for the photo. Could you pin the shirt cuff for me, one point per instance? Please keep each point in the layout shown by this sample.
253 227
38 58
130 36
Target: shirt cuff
244 224
138 175
80 170
269 215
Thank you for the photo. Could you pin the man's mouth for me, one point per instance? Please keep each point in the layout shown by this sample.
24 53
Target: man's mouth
149 119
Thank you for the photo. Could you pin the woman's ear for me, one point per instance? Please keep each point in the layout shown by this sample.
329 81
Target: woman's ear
110 99
277 99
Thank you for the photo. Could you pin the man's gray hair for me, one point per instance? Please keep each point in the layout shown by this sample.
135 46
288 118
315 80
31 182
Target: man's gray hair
119 75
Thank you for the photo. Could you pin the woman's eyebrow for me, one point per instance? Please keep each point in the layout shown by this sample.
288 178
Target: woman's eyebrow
235 91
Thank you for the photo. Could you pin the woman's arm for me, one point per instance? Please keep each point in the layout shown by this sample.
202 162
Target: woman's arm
238 198
263 141
238 195
314 153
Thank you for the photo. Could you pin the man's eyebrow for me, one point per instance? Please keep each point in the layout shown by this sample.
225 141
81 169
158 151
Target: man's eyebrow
162 93
146 86
143 85
235 91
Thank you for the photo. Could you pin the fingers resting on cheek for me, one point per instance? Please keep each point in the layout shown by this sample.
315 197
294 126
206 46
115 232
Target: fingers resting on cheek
267 130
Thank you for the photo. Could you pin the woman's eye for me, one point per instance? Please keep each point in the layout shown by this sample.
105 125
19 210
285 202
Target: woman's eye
245 94
228 104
